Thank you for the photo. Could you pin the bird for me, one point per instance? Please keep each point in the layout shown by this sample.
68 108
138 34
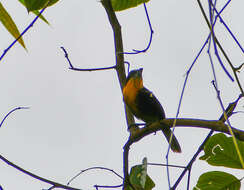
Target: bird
145 106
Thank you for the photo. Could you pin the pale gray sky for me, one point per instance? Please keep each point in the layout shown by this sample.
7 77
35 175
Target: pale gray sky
77 120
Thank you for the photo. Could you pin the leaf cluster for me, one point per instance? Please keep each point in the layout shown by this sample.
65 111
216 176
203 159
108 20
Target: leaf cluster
32 6
220 151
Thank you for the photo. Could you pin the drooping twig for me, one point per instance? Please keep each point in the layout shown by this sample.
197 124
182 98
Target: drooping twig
94 168
151 35
216 42
227 28
78 69
5 117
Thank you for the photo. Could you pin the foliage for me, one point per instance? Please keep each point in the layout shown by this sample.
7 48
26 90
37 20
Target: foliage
120 5
30 5
139 178
9 24
220 151
216 180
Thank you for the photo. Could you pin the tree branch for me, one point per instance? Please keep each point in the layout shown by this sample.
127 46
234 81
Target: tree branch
120 68
214 125
53 183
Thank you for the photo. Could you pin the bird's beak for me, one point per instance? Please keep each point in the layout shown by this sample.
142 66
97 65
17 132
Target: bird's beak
140 71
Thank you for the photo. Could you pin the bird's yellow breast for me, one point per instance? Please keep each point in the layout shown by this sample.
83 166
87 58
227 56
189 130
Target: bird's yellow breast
130 91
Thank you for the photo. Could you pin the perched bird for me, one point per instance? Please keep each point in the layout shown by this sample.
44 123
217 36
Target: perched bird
144 105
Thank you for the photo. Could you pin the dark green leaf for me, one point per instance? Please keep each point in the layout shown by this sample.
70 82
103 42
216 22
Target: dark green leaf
216 180
120 5
9 24
220 151
33 5
35 12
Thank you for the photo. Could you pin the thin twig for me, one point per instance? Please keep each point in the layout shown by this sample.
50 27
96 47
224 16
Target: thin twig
200 148
180 102
94 168
173 166
216 42
78 69
108 186
227 28
189 178
94 69
151 35
18 108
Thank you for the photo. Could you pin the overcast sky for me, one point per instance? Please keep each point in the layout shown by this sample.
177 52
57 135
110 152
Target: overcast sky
76 120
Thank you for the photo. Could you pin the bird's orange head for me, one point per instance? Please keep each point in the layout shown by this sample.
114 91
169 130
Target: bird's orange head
134 79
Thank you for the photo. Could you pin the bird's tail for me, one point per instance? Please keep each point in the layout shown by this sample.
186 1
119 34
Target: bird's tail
175 146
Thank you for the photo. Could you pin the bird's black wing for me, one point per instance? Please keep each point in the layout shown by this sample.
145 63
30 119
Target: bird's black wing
149 108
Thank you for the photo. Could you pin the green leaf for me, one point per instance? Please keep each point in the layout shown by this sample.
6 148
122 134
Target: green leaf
216 180
9 24
41 17
33 5
35 12
220 151
139 178
120 5
52 2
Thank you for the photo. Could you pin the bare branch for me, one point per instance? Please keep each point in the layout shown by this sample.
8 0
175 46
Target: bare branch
53 183
120 68
214 125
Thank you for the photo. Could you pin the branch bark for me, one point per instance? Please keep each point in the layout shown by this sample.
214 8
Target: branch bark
120 68
214 125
